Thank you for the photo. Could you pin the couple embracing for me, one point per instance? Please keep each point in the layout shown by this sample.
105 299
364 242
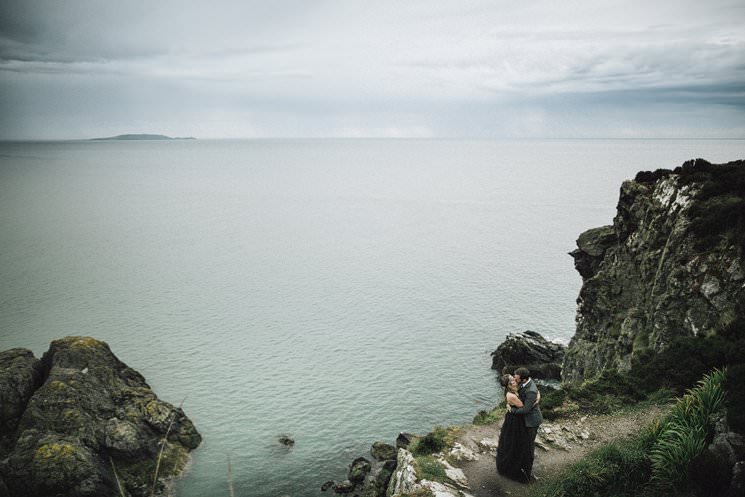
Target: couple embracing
517 438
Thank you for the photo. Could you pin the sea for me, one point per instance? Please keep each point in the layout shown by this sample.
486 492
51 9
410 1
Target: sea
336 291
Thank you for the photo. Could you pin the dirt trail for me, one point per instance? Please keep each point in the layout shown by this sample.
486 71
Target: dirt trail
558 444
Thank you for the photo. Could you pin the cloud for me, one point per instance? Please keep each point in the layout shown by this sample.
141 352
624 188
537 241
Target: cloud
429 68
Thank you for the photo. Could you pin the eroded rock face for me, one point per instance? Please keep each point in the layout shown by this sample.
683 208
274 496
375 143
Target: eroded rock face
646 282
93 420
367 478
529 349
20 376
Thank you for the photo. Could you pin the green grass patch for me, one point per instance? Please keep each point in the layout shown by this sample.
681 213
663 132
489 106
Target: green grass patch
438 440
429 468
609 392
484 417
617 469
658 461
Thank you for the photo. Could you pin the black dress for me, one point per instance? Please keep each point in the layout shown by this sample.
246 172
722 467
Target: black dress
513 452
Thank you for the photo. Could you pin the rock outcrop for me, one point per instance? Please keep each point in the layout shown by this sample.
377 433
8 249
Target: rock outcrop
79 422
647 278
367 478
529 349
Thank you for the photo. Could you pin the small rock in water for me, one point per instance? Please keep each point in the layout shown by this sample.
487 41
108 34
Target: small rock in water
286 440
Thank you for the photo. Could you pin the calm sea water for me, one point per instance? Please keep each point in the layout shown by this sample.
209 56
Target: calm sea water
340 291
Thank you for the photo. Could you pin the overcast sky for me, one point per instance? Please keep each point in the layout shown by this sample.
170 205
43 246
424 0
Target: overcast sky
305 68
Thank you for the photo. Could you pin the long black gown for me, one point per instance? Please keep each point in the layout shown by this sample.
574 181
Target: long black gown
513 452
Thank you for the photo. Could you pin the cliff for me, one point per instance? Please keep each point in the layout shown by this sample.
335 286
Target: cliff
79 422
670 265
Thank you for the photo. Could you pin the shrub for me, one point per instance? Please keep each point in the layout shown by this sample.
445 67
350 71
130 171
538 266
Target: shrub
718 211
683 434
682 363
488 417
602 395
435 441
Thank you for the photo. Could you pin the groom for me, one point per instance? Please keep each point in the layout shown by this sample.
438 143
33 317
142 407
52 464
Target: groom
528 393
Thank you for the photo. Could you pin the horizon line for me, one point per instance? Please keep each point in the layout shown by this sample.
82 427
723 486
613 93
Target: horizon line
311 138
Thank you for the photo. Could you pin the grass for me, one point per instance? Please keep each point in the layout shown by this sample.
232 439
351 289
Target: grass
429 468
438 440
484 417
656 462
617 469
609 392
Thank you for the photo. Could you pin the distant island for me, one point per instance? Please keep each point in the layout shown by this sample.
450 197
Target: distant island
142 137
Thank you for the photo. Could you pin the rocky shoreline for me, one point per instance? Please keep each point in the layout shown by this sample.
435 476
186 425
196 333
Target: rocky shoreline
79 422
655 274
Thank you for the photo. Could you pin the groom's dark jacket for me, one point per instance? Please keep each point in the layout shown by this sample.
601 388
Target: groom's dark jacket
528 393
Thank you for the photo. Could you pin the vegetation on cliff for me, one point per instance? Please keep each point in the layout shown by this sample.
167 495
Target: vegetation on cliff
718 210
663 459
668 271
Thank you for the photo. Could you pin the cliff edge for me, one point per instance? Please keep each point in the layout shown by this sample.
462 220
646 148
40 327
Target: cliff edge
671 264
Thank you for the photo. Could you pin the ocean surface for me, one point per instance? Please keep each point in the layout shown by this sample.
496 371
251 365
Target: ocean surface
339 291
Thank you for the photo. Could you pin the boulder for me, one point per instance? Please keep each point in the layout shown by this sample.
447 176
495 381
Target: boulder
367 478
359 469
404 440
383 451
93 420
529 349
343 487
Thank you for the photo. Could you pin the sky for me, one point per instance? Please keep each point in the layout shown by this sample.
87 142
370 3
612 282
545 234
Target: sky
72 69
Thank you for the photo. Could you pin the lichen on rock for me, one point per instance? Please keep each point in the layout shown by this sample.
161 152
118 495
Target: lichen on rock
91 416
647 278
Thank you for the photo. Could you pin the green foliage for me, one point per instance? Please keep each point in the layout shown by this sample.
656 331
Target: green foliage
618 469
435 441
484 417
602 395
422 492
652 177
718 211
683 434
687 359
429 468
656 461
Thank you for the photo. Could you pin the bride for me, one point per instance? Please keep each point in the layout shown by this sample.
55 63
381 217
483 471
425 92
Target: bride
513 452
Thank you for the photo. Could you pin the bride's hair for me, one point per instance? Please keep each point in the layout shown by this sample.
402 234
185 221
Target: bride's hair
505 381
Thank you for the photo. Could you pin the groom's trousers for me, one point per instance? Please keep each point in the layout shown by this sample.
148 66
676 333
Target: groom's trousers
532 432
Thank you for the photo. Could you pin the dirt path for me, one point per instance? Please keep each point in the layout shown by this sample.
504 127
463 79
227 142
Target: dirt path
557 445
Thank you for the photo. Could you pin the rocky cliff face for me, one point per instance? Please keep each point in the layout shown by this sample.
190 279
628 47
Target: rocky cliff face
648 278
79 422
